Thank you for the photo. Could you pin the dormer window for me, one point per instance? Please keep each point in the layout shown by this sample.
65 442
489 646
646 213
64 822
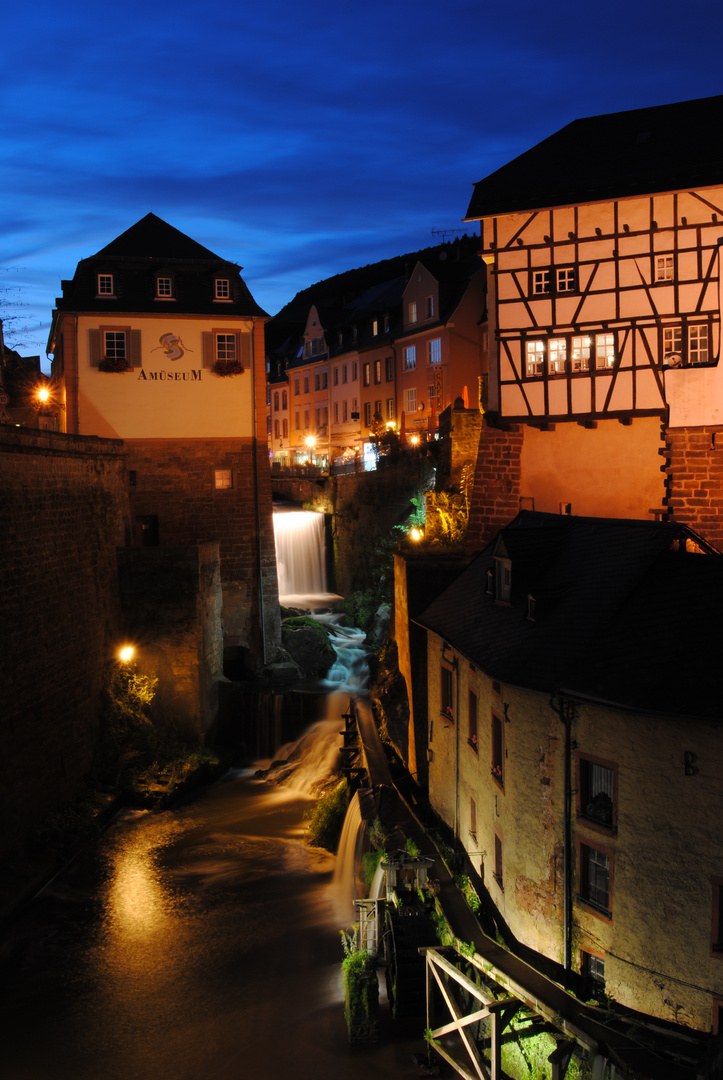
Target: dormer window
429 309
413 311
164 288
222 289
375 327
503 579
106 286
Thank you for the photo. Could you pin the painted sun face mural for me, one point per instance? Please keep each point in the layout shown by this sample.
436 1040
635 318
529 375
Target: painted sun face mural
172 346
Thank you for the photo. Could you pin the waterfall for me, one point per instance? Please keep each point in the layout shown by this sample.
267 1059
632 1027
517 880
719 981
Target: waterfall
300 538
348 858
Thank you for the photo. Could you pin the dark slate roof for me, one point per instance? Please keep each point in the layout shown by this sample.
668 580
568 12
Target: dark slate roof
620 616
149 248
638 152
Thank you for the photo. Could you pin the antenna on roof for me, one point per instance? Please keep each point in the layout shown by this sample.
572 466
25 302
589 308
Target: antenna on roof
444 233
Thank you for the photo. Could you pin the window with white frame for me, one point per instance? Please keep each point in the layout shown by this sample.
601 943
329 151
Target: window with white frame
604 351
566 279
556 355
435 350
580 352
115 347
535 357
222 289
225 346
390 408
164 288
410 357
412 310
105 285
698 344
672 344
367 414
664 267
540 282
410 400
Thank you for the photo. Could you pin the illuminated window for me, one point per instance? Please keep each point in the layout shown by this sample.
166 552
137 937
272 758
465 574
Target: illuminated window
410 400
698 344
446 699
472 720
410 357
540 282
429 310
390 408
672 345
604 350
366 374
556 355
222 478
664 268
592 969
566 279
580 353
375 327
535 357
596 793
497 871
377 371
105 285
222 289
497 766
225 346
164 287
435 351
595 878
413 311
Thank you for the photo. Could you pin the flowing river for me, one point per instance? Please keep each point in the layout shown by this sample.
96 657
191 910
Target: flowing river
200 943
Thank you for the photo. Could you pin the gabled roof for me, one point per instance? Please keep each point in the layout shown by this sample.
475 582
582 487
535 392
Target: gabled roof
149 248
619 616
355 297
638 152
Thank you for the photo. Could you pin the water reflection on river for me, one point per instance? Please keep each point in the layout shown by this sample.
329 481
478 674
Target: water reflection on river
195 944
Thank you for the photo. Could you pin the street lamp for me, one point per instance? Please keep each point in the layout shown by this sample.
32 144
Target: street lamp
311 443
125 654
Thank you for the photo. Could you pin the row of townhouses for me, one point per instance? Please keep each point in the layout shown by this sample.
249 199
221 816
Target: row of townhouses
385 347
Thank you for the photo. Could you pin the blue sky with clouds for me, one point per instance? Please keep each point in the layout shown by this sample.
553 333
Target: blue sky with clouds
300 140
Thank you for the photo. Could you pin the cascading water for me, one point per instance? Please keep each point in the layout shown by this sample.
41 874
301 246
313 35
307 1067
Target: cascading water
300 540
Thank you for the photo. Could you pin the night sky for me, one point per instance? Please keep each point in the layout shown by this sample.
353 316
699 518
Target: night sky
300 140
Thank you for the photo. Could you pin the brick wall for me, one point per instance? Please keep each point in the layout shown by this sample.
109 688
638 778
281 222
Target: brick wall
694 466
63 514
171 602
175 481
496 495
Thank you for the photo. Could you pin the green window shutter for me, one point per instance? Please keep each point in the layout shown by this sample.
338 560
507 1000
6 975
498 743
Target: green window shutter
244 352
134 357
94 347
208 357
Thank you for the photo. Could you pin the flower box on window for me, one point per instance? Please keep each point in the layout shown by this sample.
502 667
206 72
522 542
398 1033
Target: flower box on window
228 367
113 363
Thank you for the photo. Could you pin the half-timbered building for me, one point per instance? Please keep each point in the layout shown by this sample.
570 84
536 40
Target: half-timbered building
603 250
